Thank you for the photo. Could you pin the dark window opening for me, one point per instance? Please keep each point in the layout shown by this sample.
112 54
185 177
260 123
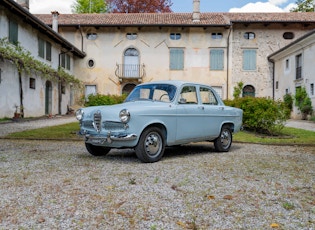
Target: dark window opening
249 35
175 36
91 63
91 36
131 36
288 35
216 35
32 83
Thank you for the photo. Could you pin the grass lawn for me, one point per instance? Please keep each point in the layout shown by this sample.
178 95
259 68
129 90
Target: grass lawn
68 131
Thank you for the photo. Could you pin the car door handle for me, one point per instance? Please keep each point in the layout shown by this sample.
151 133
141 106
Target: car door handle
221 108
201 107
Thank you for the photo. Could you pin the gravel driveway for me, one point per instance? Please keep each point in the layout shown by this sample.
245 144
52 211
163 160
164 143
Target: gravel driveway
58 185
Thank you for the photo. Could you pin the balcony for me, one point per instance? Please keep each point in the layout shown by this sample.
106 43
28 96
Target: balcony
130 72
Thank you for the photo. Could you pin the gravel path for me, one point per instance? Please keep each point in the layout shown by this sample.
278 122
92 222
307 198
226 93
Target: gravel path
58 185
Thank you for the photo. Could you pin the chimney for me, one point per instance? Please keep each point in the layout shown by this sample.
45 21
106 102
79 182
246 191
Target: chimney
24 3
55 15
196 12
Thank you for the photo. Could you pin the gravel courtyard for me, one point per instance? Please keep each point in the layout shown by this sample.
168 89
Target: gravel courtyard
58 185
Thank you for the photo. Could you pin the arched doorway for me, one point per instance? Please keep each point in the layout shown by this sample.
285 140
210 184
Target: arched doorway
131 63
249 91
128 88
48 98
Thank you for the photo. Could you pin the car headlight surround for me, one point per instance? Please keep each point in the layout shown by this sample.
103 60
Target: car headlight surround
79 114
124 116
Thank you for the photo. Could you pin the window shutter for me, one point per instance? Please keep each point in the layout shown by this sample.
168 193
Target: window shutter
48 51
249 59
216 59
176 59
13 32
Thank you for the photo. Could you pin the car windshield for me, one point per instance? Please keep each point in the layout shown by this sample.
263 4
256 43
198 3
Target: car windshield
155 92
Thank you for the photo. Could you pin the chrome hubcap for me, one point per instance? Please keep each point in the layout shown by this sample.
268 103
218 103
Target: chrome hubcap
153 144
225 138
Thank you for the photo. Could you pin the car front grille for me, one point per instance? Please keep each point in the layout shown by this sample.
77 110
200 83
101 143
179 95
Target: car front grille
111 125
97 123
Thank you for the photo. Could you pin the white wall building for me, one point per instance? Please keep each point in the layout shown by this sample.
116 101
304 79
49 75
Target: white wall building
294 68
30 93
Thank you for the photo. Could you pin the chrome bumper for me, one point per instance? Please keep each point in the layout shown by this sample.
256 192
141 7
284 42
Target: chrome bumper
109 138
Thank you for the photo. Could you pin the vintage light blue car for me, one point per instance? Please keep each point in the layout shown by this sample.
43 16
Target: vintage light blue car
160 114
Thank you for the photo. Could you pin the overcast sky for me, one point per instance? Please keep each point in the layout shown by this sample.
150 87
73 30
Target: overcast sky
64 6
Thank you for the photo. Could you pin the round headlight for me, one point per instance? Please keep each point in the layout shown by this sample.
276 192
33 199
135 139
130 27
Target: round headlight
124 116
79 114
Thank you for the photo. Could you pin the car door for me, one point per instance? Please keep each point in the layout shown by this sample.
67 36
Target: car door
189 115
214 112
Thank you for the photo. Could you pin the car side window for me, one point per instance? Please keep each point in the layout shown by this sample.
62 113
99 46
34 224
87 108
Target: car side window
207 96
188 95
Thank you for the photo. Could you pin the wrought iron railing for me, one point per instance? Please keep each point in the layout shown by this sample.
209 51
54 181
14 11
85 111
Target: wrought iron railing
128 72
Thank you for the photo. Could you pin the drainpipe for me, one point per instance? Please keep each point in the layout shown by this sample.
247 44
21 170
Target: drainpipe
273 77
196 11
228 60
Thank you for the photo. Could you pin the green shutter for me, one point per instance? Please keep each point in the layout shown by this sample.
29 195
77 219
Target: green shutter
13 32
68 62
249 59
41 48
48 51
216 59
176 59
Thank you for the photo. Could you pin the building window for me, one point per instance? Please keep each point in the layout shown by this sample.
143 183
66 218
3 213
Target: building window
249 59
91 63
89 90
288 35
91 36
277 85
44 49
176 59
175 36
216 59
13 32
65 61
287 64
32 83
216 35
298 62
249 91
131 36
312 89
249 35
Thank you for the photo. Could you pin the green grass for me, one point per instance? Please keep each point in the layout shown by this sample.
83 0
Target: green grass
288 136
53 132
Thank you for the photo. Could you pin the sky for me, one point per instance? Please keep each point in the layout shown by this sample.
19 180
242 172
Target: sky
184 6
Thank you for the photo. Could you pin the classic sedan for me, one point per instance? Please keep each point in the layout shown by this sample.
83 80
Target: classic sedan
160 114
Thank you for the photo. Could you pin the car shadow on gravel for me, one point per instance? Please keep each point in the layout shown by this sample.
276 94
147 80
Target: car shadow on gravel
129 155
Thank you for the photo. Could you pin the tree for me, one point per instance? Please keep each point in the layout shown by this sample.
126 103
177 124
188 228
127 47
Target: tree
139 6
89 6
304 6
303 102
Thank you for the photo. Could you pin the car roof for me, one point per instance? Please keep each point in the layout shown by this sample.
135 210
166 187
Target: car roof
173 82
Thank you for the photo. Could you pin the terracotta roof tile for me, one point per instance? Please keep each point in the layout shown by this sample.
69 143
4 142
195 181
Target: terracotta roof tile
175 19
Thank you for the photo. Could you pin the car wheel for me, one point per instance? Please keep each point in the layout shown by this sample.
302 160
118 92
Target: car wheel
96 150
224 141
151 145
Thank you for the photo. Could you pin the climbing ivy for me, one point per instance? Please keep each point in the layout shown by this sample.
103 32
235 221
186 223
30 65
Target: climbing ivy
24 61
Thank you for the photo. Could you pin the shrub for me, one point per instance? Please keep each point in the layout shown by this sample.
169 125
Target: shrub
303 102
99 99
261 114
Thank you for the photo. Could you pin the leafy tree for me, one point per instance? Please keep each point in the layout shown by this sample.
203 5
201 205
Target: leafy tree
303 102
89 6
304 6
139 6
238 90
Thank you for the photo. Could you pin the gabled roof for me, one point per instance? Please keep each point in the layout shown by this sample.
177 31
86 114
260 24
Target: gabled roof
176 19
30 19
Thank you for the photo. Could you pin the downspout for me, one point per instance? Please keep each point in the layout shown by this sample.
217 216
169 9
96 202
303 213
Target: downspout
273 77
228 61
